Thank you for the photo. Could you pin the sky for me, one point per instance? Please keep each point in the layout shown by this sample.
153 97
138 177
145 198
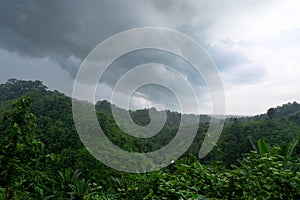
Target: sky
255 45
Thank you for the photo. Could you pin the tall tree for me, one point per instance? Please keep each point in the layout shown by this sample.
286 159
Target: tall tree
271 113
20 150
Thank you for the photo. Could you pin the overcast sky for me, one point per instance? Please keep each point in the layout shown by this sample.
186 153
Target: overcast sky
254 43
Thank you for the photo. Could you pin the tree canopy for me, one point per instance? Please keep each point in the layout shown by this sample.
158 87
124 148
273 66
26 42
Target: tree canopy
42 157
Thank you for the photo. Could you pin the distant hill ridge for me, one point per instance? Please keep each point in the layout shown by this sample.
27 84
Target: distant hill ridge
56 128
15 88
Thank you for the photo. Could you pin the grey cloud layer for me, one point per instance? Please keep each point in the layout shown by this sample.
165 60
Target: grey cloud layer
66 31
60 29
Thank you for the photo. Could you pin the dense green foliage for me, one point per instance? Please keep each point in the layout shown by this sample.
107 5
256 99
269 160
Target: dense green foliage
42 157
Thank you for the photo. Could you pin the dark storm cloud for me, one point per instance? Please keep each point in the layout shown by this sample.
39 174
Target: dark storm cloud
251 41
65 29
64 32
61 29
38 28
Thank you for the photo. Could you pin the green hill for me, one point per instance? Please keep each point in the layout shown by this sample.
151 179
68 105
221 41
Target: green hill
42 156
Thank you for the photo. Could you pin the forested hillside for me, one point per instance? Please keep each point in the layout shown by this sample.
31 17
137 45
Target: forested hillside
42 157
